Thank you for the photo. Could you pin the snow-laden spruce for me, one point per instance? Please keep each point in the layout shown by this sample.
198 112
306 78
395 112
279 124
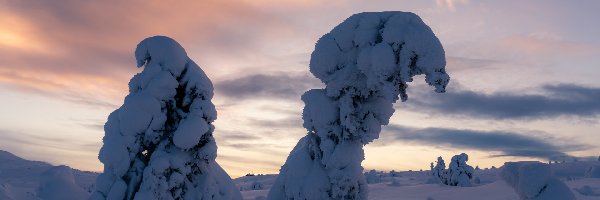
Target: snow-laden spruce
372 177
533 180
159 144
365 63
459 172
438 172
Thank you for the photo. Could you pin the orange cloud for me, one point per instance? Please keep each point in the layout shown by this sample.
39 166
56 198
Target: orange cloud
76 48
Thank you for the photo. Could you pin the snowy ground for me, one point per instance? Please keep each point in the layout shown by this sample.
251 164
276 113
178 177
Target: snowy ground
19 180
413 185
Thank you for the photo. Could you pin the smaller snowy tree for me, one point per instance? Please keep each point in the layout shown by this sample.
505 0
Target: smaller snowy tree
372 177
438 172
459 172
257 185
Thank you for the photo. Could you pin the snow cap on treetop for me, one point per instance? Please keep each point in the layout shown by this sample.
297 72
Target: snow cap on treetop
162 51
386 49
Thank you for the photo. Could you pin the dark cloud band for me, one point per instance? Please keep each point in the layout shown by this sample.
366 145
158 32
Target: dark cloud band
505 142
558 100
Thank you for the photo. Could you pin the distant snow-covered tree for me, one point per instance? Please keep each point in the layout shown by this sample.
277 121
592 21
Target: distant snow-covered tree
438 172
365 63
459 173
159 144
533 180
257 185
372 177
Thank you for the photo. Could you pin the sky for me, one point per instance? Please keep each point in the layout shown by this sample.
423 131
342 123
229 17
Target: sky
524 77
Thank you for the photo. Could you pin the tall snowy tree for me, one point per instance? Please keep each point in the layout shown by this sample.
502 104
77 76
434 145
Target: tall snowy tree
365 63
159 144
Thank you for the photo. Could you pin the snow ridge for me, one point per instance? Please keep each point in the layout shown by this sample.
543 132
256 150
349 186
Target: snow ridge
365 63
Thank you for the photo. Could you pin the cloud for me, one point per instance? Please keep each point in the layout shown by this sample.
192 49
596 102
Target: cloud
51 148
236 136
280 86
557 100
507 143
85 49
457 63
450 4
543 44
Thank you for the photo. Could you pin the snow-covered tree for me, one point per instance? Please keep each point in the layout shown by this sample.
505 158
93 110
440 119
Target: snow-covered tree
159 144
257 185
365 63
438 173
459 173
533 180
372 177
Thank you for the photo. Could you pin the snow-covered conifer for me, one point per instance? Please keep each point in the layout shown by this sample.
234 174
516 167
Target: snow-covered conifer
439 172
459 173
372 177
365 63
159 144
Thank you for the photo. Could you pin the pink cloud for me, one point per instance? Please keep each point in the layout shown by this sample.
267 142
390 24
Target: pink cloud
74 48
547 45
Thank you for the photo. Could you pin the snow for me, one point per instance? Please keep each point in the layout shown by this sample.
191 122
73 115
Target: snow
58 183
413 186
20 179
407 185
159 144
6 192
534 180
365 63
593 171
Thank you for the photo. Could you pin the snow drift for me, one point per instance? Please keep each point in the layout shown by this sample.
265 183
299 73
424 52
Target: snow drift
6 192
365 63
58 183
534 180
159 144
593 171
